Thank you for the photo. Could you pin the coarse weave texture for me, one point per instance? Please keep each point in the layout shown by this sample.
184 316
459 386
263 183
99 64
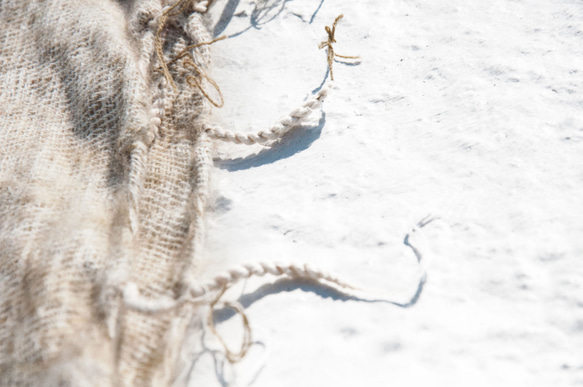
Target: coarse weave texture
104 170
102 183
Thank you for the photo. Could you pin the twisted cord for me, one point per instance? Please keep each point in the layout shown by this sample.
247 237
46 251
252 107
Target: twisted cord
260 269
158 110
235 274
203 292
284 125
211 291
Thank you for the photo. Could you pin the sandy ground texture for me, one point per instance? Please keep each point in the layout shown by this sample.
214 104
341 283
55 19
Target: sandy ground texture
466 111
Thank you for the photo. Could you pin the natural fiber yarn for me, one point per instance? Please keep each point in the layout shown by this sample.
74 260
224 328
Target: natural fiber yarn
105 161
329 46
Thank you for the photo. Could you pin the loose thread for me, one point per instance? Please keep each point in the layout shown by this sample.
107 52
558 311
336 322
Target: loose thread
232 357
193 81
164 66
186 52
328 44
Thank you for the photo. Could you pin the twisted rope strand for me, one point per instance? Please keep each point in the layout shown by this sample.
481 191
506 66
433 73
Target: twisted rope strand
278 130
211 291
200 293
260 269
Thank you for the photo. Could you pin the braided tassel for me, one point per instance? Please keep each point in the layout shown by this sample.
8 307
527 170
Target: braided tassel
200 293
260 269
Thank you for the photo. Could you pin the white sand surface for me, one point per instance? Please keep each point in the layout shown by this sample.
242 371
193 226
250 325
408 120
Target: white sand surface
469 111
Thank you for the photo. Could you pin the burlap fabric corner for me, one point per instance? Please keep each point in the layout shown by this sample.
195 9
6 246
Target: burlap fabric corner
103 173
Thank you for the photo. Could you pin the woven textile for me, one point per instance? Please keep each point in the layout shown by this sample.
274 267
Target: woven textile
103 173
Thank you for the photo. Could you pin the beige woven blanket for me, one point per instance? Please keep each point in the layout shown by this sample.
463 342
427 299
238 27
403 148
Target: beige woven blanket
102 183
